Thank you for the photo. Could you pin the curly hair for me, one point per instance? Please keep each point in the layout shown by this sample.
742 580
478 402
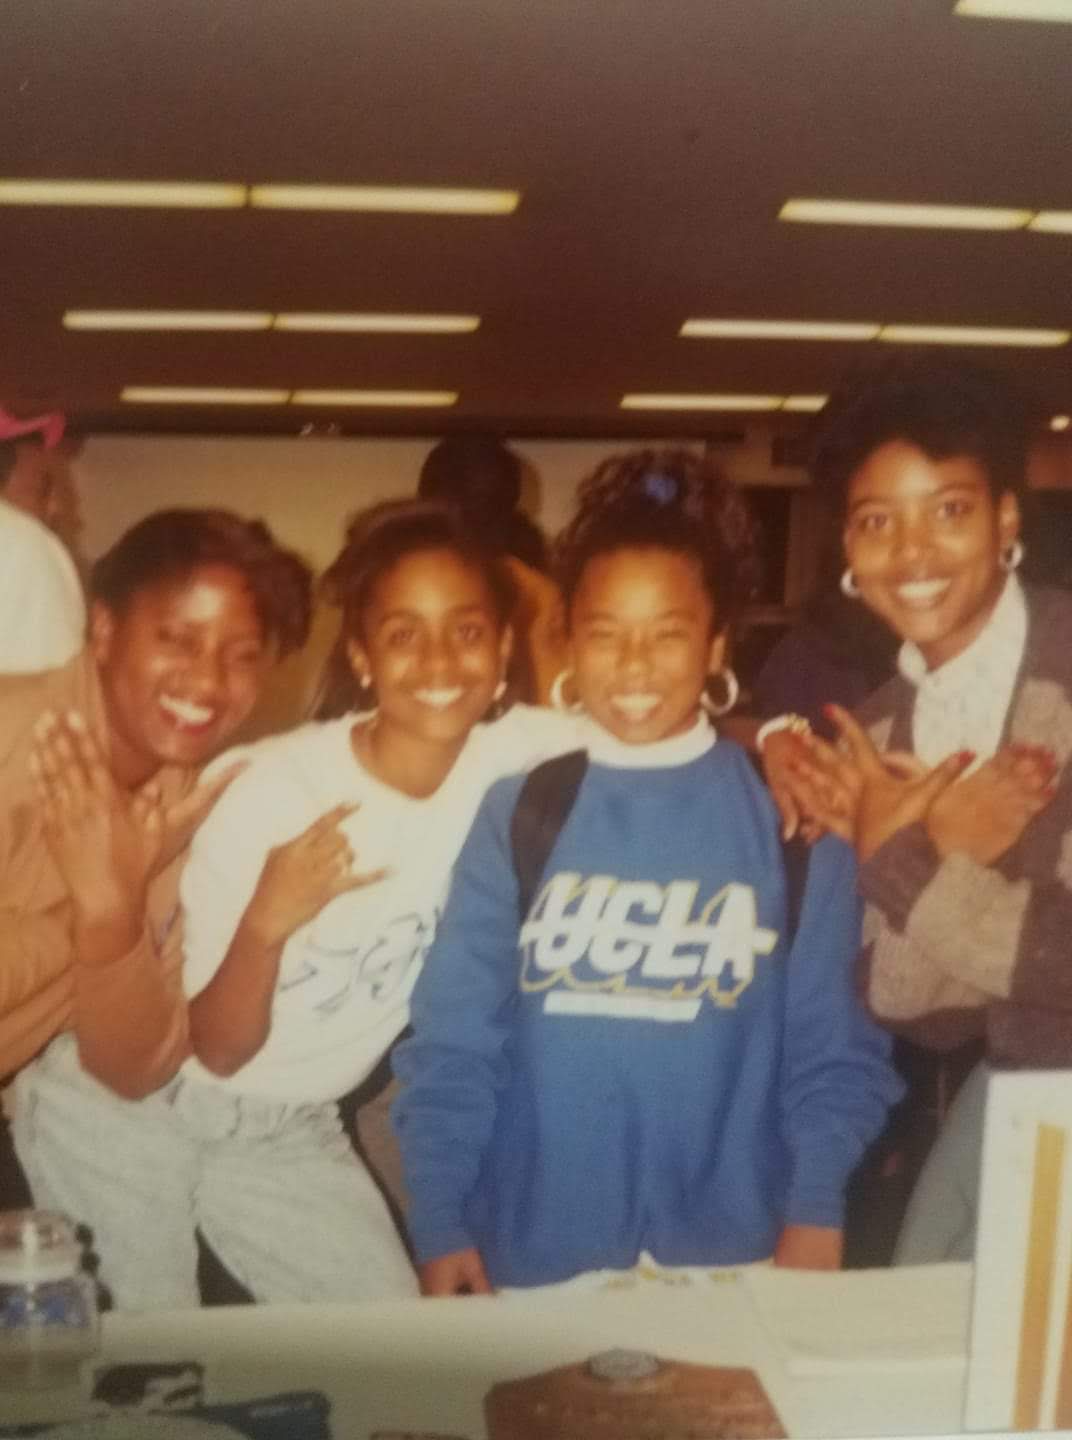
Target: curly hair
943 406
169 544
668 499
376 540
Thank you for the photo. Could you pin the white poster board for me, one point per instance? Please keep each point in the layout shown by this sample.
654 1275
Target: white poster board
1020 1358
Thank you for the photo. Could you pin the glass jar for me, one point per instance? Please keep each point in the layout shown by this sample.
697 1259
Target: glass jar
48 1305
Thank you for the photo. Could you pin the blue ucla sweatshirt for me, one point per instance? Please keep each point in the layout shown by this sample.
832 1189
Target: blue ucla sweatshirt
651 1064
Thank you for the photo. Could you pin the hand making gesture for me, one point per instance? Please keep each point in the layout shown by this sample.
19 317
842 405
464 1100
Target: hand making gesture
303 875
855 791
108 843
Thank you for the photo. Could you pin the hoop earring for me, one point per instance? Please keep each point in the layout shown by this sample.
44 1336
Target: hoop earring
1012 556
557 694
848 585
730 688
365 700
498 707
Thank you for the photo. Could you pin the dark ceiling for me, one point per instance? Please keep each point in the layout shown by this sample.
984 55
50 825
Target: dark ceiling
653 142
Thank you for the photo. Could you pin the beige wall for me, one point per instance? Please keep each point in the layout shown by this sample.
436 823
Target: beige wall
305 489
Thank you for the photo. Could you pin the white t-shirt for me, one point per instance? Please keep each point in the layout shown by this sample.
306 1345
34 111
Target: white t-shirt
345 978
42 612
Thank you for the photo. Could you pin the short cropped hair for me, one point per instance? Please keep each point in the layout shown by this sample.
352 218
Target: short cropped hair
169 544
944 407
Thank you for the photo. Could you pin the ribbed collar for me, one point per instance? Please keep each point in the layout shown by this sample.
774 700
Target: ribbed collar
606 749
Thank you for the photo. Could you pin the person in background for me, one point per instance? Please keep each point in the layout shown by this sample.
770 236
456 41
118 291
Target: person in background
42 610
100 760
310 896
838 651
649 1059
953 781
481 478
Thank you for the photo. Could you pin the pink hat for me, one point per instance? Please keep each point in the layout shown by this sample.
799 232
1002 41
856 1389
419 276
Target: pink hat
50 427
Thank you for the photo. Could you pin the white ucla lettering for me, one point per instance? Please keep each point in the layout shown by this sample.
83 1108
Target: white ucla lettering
559 939
671 956
735 939
617 945
633 931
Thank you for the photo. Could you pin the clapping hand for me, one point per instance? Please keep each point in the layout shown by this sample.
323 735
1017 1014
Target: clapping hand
818 787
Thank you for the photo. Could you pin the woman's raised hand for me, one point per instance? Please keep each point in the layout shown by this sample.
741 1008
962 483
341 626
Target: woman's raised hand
814 787
104 841
892 790
986 813
303 875
107 843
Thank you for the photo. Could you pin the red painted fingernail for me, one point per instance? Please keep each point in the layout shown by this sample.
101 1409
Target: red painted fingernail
966 756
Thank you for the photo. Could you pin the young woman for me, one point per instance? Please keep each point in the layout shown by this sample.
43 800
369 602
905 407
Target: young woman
653 1063
310 897
187 611
963 856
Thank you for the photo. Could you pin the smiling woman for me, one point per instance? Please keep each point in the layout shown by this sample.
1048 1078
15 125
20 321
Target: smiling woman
924 539
964 846
187 608
311 894
652 1019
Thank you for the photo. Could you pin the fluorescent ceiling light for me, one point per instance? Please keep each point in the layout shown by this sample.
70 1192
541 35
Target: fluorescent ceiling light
165 194
805 404
385 324
971 335
701 402
200 395
1052 10
167 320
431 200
940 217
375 397
1053 222
777 330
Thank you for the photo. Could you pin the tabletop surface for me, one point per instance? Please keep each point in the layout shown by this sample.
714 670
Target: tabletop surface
875 1352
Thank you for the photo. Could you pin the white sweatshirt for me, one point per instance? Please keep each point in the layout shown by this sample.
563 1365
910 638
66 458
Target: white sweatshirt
345 978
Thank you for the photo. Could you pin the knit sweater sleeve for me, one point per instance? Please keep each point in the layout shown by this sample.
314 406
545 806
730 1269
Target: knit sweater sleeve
838 1082
455 1063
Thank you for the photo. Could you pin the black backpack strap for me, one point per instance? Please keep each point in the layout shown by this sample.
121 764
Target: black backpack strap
796 856
542 809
